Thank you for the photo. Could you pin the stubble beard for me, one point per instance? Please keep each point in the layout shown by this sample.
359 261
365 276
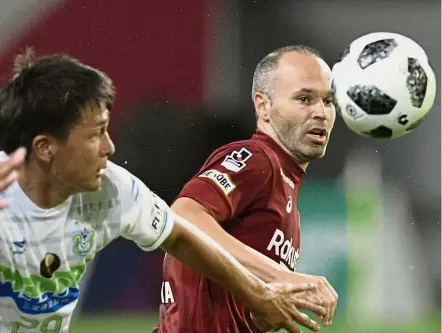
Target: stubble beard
302 152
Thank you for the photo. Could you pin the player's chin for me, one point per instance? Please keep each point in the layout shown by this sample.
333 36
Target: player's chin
92 185
314 152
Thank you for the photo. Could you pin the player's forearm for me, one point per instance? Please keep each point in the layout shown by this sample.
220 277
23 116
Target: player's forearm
260 265
198 251
263 267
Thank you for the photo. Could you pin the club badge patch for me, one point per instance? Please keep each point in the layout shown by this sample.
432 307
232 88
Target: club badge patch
236 160
83 242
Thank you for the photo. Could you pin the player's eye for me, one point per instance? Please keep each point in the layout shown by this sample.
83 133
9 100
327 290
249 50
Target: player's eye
328 101
304 99
97 134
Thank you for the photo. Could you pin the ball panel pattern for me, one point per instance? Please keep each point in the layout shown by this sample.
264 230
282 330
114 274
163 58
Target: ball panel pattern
381 132
371 99
376 51
416 82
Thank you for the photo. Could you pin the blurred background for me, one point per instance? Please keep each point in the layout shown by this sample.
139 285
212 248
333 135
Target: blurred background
183 69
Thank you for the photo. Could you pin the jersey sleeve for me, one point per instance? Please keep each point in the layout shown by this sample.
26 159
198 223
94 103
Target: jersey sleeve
231 180
146 218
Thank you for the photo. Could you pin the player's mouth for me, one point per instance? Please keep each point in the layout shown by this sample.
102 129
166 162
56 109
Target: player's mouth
100 172
318 135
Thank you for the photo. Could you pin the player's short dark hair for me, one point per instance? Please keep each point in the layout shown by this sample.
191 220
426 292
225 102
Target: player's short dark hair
262 79
46 96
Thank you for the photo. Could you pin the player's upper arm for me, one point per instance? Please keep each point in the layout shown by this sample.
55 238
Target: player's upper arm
231 180
145 218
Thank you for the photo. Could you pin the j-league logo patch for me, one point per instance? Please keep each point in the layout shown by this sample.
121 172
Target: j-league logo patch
236 160
83 242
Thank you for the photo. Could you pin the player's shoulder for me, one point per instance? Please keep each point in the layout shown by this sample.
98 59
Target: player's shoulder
249 143
119 181
234 156
115 174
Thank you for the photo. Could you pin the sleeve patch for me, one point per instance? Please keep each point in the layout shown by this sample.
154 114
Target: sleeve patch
159 218
236 160
222 180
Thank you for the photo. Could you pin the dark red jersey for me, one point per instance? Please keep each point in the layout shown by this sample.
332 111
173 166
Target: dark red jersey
251 188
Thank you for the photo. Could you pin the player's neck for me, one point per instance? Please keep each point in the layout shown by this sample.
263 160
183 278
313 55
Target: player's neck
42 189
267 129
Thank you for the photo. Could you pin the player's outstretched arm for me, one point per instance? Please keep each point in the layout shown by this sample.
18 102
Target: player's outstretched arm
7 168
257 263
272 306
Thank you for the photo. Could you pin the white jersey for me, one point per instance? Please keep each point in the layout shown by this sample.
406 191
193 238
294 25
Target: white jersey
44 252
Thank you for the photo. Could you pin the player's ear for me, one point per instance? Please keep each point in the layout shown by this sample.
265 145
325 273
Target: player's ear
263 105
45 147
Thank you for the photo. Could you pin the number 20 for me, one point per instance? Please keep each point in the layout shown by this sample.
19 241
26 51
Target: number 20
49 325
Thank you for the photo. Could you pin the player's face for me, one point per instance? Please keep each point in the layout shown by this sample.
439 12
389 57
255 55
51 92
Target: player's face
303 113
79 160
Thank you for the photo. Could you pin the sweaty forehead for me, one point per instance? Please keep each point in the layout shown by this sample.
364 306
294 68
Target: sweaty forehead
297 71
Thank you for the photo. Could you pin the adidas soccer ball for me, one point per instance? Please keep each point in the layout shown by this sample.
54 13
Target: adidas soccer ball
383 85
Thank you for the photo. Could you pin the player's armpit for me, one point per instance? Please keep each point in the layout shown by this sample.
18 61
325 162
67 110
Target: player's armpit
230 181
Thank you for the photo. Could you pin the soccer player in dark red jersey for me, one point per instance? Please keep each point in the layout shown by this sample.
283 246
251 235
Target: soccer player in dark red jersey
245 196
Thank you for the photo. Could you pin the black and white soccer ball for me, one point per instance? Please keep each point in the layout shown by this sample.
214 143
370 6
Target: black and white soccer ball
383 85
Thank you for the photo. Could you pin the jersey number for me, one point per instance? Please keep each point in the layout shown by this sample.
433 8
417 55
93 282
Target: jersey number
49 325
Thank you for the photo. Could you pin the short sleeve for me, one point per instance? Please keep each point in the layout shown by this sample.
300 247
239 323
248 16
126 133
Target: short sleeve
147 219
232 180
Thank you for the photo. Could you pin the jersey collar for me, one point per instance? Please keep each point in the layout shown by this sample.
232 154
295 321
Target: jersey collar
288 160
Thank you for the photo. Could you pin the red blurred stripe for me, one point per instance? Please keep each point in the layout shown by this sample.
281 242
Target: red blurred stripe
150 48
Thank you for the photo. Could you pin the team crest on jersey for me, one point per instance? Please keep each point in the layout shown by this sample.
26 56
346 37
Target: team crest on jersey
236 160
83 242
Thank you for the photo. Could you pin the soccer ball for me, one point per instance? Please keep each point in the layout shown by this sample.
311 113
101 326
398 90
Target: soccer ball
383 85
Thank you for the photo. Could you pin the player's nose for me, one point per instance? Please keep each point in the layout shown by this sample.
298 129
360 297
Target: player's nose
319 111
108 147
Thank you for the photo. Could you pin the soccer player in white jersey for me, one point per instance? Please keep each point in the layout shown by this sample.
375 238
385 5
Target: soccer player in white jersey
67 201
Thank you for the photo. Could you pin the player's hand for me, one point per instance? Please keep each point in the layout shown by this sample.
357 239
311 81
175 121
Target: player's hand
325 295
278 308
7 168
